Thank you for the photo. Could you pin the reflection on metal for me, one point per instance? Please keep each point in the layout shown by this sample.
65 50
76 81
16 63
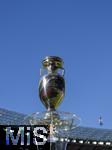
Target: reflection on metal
52 84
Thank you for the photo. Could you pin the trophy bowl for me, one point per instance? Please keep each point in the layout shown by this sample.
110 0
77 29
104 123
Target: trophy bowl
52 84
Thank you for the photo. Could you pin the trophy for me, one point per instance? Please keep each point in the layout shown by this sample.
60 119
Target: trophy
52 84
51 93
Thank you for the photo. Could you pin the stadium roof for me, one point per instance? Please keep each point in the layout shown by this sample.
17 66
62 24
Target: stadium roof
81 135
10 117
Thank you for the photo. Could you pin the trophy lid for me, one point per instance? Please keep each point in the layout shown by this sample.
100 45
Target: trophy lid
57 62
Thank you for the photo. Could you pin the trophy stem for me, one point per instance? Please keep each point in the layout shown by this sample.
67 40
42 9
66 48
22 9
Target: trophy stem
58 146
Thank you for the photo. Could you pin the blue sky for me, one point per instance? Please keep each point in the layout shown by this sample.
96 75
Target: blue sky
78 31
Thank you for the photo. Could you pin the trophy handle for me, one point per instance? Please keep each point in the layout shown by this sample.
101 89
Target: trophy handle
63 71
42 71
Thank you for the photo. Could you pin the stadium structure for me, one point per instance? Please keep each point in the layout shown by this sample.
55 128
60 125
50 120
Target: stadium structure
81 138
